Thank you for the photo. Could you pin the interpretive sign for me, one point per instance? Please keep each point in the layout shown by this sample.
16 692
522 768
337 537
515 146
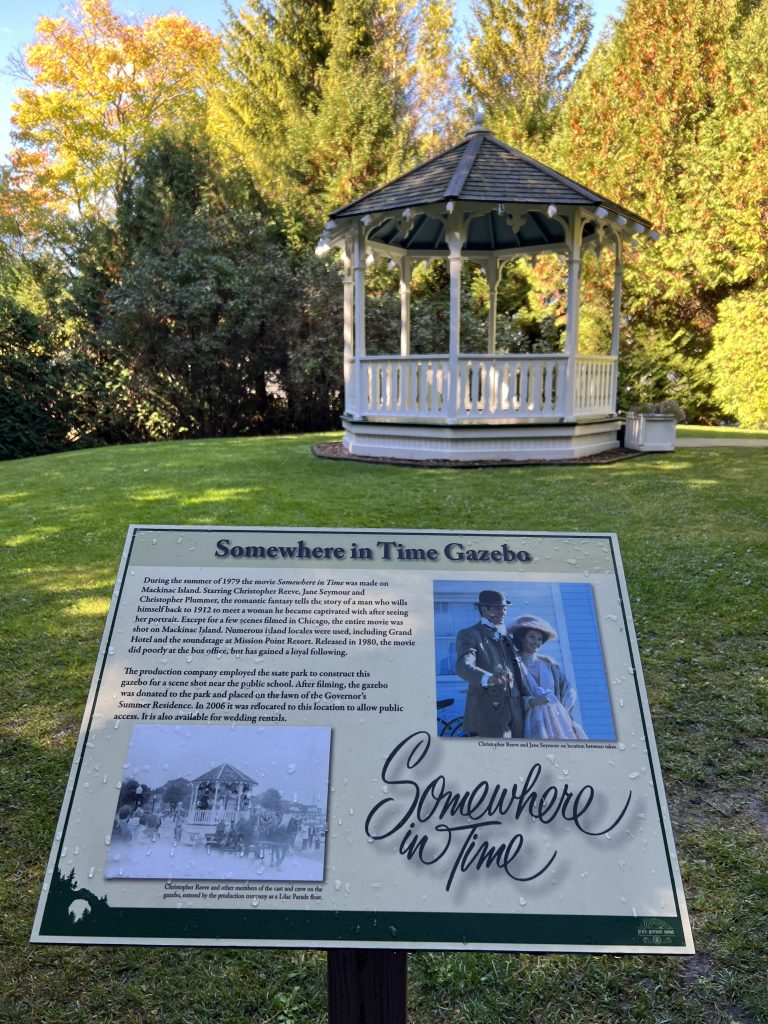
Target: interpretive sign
364 738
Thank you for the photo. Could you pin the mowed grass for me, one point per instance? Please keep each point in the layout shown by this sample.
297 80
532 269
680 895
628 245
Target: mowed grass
721 433
692 529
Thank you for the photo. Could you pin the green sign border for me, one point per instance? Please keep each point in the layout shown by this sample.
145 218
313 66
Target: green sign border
185 925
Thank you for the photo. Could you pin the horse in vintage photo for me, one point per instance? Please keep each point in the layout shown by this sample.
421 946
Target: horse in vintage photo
276 835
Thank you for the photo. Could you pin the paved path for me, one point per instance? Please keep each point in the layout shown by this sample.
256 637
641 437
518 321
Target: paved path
720 442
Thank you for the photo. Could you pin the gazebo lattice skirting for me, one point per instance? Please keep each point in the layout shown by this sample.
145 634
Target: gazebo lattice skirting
484 202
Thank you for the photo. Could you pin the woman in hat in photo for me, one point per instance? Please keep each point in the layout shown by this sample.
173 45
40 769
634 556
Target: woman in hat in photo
549 700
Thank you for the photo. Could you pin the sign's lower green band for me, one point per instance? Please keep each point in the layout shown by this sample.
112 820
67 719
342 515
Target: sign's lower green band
356 926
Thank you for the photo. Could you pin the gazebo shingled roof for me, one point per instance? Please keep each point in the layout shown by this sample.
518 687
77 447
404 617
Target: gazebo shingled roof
479 169
225 773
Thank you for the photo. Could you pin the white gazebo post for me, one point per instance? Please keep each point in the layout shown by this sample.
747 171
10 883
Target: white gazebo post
454 236
618 275
350 395
492 277
405 306
358 271
573 308
240 798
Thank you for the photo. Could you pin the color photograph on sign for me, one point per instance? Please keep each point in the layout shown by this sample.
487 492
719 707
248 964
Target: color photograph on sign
568 650
367 738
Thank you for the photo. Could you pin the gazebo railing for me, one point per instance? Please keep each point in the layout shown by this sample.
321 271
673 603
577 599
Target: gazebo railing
487 387
212 816
595 385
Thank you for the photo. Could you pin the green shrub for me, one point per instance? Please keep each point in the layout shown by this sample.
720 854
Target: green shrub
739 358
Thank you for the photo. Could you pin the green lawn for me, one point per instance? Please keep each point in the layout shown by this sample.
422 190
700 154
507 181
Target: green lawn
692 528
723 433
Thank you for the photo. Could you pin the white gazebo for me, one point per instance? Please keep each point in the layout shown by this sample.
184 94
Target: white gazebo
484 202
222 795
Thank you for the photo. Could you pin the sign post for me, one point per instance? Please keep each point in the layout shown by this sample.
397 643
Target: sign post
367 986
368 742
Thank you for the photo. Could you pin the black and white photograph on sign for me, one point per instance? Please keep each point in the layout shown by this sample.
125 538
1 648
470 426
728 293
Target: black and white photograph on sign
521 661
222 802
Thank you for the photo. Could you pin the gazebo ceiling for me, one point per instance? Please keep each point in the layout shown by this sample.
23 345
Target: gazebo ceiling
487 231
512 201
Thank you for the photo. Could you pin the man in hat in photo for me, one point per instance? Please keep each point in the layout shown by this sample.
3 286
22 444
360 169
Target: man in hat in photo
486 658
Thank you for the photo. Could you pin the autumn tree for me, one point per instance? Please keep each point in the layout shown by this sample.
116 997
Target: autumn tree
319 100
721 225
628 129
738 360
645 92
359 134
44 374
198 314
417 40
99 86
268 94
437 89
193 284
521 61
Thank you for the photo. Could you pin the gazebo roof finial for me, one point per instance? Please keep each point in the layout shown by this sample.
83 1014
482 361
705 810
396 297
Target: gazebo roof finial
478 124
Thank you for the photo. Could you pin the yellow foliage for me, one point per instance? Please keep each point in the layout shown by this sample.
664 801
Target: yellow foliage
100 87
